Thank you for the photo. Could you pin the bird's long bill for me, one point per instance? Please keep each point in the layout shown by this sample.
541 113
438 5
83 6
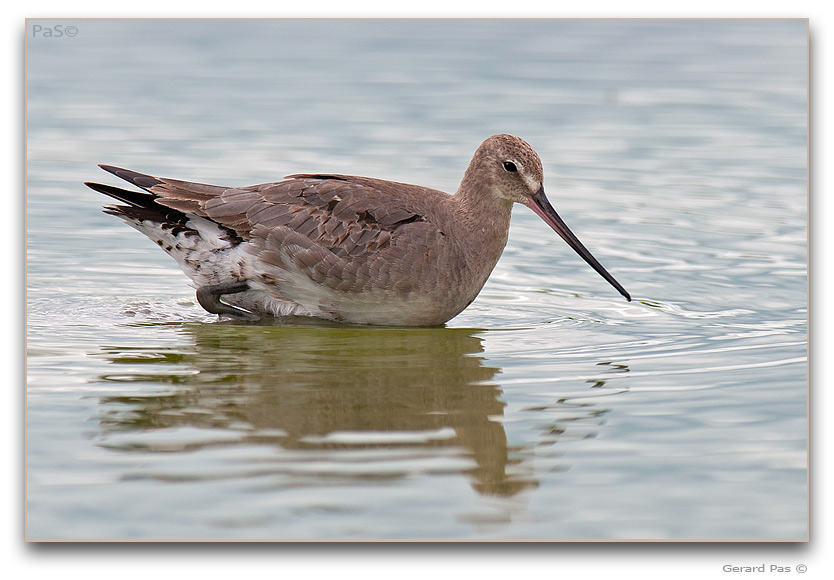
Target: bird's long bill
545 211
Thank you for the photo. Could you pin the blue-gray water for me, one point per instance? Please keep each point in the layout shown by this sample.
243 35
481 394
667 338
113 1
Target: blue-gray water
551 408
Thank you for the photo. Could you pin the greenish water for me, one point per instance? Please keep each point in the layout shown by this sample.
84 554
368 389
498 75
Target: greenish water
551 408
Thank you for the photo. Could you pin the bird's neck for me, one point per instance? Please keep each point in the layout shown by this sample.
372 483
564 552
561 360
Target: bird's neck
485 219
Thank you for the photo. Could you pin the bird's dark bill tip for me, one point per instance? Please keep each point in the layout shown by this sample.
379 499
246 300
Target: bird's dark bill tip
541 206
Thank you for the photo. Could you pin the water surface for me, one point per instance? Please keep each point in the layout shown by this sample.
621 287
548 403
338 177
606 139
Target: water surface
551 408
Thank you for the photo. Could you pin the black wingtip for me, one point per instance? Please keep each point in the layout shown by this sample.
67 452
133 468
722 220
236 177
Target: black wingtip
139 179
113 169
134 198
101 188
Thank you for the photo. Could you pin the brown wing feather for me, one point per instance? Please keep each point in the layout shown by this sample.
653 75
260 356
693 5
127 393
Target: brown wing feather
347 216
334 228
340 231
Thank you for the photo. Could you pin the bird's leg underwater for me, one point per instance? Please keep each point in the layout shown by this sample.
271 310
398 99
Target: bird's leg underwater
209 298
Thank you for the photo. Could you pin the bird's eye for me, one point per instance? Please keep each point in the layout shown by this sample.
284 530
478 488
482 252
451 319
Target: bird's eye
510 166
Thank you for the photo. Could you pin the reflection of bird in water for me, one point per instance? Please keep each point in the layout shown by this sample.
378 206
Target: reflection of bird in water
344 248
323 387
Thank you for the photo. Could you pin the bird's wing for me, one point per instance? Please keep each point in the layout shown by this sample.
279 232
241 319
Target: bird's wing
341 231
